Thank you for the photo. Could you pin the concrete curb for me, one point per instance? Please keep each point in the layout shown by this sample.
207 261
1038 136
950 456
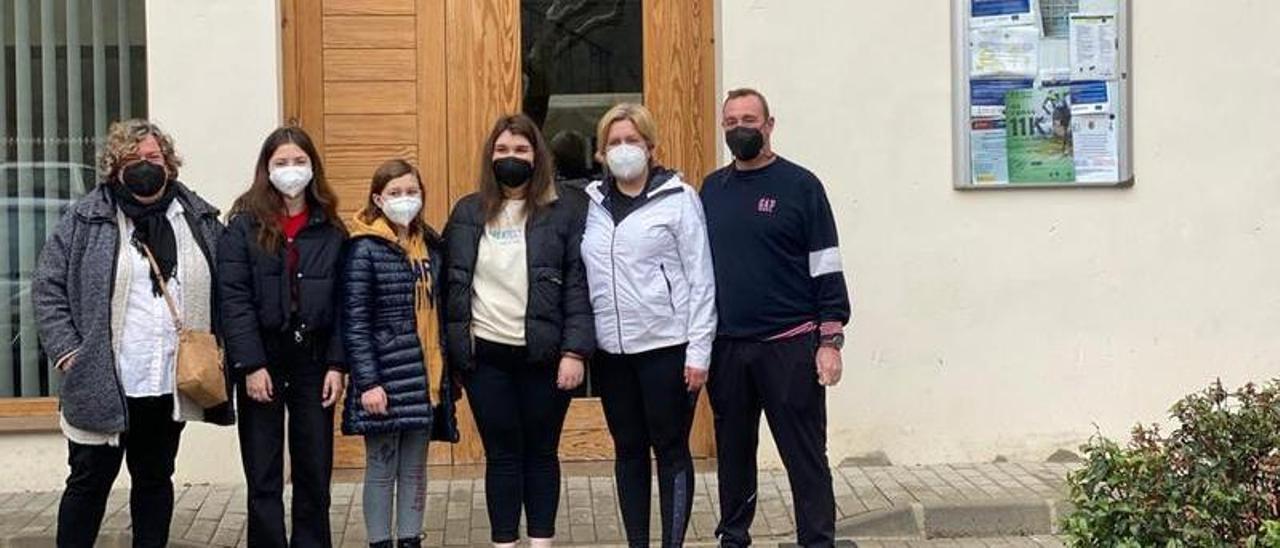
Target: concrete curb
979 518
106 540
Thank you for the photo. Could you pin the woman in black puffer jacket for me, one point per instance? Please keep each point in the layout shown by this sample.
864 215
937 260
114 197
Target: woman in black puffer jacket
278 291
519 322
401 395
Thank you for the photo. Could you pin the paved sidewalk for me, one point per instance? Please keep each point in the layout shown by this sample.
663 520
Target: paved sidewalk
1009 542
214 515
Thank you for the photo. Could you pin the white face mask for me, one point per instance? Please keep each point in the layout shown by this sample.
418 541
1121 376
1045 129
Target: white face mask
291 180
402 210
626 161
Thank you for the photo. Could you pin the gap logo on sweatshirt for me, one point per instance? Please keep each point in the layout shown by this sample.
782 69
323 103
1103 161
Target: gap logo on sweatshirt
766 205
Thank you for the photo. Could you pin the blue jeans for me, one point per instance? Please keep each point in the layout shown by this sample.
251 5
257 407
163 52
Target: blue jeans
395 474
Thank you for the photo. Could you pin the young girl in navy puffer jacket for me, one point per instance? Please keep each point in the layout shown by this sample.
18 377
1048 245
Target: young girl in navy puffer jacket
400 395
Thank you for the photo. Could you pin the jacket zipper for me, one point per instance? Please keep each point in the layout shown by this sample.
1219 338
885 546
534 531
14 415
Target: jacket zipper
671 299
417 271
291 278
613 277
528 269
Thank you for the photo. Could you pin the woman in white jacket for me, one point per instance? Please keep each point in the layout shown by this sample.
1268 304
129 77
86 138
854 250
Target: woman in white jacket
653 292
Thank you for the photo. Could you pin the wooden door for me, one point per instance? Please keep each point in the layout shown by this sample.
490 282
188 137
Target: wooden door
424 80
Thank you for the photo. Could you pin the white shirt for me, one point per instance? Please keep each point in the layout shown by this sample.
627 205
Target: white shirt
501 282
149 342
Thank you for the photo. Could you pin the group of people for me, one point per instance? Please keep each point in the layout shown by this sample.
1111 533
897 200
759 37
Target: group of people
661 287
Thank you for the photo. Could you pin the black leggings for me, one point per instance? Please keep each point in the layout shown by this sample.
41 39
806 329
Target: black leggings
647 406
520 413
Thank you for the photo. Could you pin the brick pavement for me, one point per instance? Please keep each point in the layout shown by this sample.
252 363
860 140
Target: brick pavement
1009 542
215 514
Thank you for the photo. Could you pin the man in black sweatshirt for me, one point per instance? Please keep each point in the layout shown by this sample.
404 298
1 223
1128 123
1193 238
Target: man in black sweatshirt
782 305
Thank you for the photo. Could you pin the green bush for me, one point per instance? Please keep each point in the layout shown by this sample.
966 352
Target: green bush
1214 481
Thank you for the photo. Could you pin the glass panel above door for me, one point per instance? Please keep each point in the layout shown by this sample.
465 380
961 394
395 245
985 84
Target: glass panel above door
580 57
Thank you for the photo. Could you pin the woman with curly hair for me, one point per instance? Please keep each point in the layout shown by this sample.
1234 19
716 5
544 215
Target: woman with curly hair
104 321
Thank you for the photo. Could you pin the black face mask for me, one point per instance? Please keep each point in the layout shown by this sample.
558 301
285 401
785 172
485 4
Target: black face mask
144 179
745 142
512 172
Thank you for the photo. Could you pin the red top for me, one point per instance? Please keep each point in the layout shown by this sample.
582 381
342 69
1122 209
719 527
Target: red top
292 225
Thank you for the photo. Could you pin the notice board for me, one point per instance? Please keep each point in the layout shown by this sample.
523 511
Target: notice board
1041 94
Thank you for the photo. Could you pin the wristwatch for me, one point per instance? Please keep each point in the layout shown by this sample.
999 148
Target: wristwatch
834 340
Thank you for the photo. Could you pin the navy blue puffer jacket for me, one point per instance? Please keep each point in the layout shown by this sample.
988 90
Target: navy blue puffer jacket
381 341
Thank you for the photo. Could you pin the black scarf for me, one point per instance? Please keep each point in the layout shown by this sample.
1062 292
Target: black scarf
151 229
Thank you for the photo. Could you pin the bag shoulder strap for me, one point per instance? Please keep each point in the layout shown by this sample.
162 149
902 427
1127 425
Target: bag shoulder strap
164 287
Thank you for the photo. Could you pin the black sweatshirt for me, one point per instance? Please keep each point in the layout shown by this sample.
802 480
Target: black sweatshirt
775 248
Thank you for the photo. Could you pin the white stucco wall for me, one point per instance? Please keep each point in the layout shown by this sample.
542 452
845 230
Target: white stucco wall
213 79
1009 323
218 92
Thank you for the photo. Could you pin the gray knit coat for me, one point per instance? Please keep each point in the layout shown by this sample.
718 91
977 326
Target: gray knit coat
72 291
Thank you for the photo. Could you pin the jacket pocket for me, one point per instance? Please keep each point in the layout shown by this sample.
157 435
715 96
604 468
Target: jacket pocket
544 294
270 304
550 276
671 298
89 394
315 301
457 280
70 385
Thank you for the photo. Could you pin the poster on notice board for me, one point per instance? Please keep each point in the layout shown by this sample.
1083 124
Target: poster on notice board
1093 47
1039 135
1002 13
990 152
1095 148
1012 52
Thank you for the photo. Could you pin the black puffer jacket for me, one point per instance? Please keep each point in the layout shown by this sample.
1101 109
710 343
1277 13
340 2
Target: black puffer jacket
380 334
254 290
559 316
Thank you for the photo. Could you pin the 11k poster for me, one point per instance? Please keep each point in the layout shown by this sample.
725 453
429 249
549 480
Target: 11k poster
1039 135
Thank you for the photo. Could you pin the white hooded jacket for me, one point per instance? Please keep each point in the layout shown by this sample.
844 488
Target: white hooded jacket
650 275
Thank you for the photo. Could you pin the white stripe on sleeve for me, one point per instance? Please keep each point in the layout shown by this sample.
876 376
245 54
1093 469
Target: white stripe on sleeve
824 261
